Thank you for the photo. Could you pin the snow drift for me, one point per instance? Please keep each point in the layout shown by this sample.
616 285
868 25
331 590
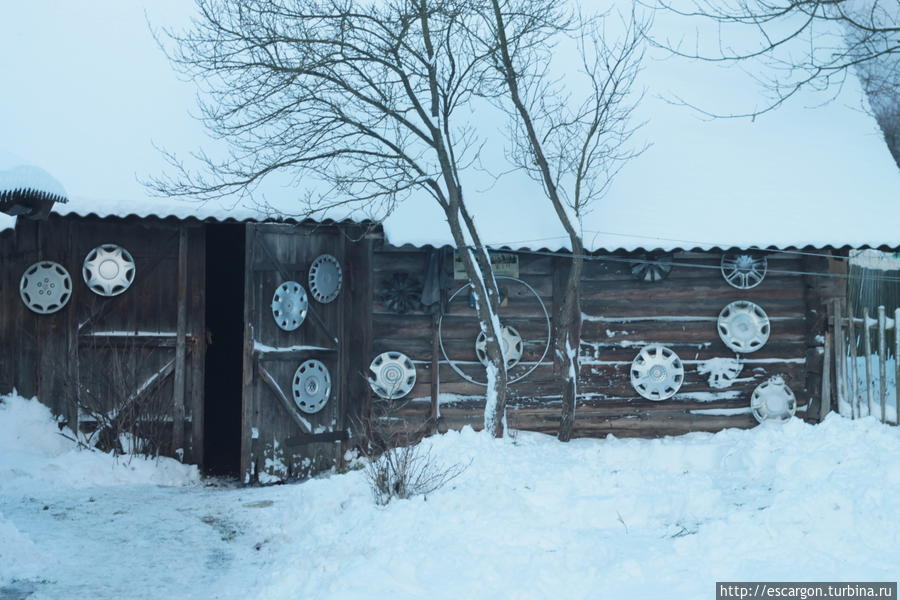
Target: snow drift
33 449
528 518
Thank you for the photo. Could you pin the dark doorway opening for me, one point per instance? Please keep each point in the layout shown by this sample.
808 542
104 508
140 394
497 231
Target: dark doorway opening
224 354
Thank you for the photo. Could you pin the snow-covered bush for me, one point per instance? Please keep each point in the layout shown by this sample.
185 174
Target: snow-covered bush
407 471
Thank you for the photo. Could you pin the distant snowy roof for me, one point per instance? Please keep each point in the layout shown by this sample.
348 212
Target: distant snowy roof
18 176
26 189
802 175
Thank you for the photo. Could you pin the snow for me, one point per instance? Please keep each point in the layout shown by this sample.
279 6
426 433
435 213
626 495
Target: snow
260 347
641 519
33 451
783 179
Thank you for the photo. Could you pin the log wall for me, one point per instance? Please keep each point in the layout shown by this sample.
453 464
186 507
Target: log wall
621 314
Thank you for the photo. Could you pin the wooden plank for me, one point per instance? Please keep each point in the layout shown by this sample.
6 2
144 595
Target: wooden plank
854 368
436 369
267 378
293 354
867 347
882 363
249 434
897 365
340 435
146 271
840 363
198 357
825 405
311 312
180 353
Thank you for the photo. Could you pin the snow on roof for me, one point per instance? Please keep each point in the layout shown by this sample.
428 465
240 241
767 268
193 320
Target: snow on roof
802 175
18 176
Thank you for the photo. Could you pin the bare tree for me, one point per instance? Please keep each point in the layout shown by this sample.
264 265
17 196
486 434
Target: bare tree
362 95
572 139
881 81
804 44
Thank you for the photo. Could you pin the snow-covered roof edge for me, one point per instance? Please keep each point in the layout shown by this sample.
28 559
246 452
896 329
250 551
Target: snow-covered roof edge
191 213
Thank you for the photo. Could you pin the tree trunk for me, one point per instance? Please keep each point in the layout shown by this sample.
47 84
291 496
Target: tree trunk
566 342
481 277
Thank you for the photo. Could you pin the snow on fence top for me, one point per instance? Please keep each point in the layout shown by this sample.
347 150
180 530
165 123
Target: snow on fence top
806 174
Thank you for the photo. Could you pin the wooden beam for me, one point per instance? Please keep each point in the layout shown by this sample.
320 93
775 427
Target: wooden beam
282 397
867 347
249 441
198 356
825 403
840 356
882 364
435 370
180 347
897 366
853 375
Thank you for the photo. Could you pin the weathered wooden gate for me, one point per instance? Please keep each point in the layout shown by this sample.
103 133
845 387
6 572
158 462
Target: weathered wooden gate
129 363
138 361
278 440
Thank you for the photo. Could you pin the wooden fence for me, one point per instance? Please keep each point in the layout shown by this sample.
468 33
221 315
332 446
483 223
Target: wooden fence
861 366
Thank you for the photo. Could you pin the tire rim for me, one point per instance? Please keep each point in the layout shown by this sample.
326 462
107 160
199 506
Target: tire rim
651 268
744 271
744 326
656 372
529 371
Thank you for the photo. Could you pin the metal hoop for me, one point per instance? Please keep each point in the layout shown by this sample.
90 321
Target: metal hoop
108 270
325 278
515 379
395 375
744 326
656 372
311 386
743 270
45 287
289 305
773 400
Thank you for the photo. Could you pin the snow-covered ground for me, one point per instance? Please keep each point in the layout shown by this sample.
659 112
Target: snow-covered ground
528 518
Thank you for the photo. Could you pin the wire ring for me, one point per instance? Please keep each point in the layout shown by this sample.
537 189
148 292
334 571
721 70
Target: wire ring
523 375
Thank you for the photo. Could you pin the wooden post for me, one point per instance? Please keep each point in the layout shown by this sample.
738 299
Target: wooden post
897 365
435 372
854 368
197 352
249 432
882 363
180 354
825 404
840 356
867 347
